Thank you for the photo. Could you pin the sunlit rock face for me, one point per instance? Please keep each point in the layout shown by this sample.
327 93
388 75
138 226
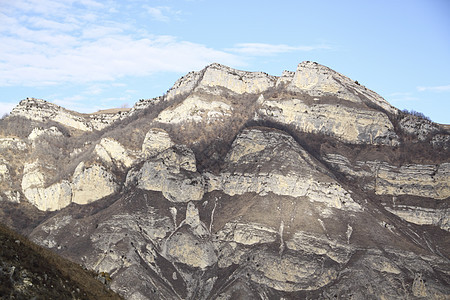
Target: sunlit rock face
113 153
282 168
172 172
92 183
43 111
156 141
87 185
239 185
318 80
195 109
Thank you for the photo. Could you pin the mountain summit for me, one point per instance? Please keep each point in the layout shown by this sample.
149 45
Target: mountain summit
238 185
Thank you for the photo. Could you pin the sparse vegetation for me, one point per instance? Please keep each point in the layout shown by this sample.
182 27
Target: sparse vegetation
28 271
416 113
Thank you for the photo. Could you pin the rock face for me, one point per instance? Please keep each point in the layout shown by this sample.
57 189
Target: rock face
284 168
239 185
172 172
196 110
417 180
87 185
43 111
156 141
318 80
417 126
53 197
239 82
92 183
113 153
423 216
352 125
190 243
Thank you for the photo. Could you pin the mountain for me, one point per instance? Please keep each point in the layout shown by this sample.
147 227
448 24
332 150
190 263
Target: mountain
238 185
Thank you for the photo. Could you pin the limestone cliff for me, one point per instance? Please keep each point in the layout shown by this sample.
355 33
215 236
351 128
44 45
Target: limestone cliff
43 111
238 185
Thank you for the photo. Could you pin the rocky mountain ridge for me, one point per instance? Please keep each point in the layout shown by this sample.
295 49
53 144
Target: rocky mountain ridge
238 184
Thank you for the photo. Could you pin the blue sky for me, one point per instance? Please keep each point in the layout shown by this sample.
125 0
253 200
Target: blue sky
88 55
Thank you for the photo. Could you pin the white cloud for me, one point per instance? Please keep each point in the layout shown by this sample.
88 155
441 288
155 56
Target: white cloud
440 88
157 14
402 97
261 49
161 13
38 51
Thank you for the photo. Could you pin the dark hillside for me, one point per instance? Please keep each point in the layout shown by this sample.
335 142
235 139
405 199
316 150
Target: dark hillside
28 271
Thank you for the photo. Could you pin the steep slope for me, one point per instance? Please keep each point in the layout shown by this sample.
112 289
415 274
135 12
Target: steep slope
239 185
28 271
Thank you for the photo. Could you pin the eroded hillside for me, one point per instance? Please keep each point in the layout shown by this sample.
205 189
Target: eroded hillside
240 185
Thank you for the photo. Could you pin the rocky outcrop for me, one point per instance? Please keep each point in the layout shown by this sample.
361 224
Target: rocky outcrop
420 180
12 144
195 109
87 185
142 104
318 80
190 243
11 196
156 141
417 126
100 121
240 82
112 153
92 183
423 216
37 132
172 172
53 197
351 125
429 181
184 85
280 167
43 111
5 177
441 141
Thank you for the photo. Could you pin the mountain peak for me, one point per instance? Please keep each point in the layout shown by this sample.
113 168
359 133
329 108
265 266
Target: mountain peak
238 184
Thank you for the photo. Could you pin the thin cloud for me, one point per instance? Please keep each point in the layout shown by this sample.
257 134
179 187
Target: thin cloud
262 49
36 51
402 97
161 13
440 88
